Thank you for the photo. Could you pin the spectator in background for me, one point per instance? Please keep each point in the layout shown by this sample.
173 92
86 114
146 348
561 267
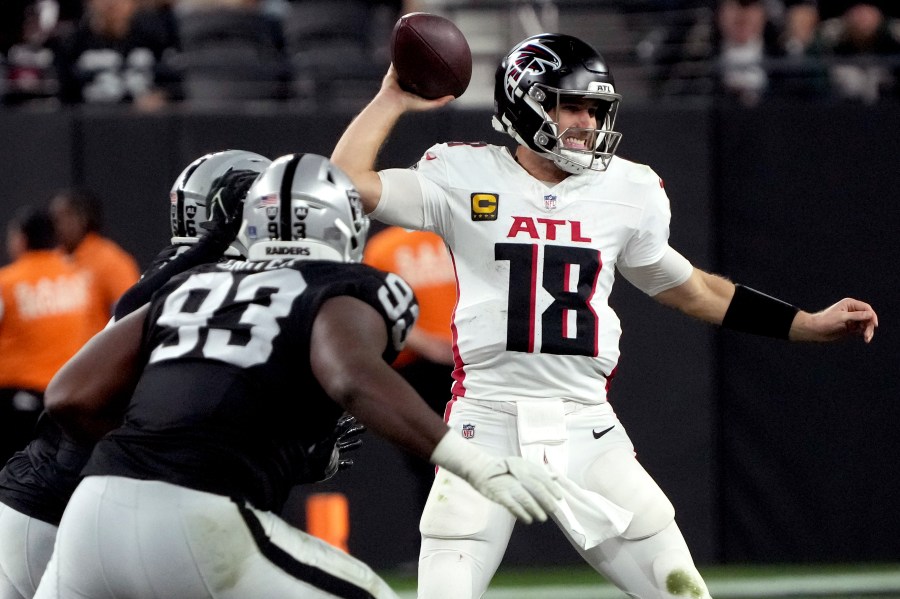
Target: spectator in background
800 27
77 216
743 45
36 483
744 50
118 54
722 53
29 36
796 66
426 362
857 39
44 312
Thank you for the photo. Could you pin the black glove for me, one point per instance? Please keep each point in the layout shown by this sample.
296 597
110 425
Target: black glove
348 439
225 203
328 456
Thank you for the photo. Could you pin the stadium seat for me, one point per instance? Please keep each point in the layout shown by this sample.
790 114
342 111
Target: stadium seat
232 54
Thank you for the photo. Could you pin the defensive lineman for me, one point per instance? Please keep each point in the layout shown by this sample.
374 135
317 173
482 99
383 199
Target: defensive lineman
36 483
249 365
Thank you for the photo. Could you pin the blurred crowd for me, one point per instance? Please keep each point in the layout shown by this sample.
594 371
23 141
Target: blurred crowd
152 52
751 49
149 53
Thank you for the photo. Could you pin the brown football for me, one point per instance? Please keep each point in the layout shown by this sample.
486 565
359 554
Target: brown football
431 56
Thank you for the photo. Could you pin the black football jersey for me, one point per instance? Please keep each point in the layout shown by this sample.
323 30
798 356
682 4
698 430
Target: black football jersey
227 401
166 255
39 480
170 252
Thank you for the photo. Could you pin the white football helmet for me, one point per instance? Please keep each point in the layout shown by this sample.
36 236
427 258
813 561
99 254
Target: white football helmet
303 206
189 193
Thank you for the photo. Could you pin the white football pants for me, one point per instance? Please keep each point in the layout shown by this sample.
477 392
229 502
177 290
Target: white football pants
464 535
122 537
25 547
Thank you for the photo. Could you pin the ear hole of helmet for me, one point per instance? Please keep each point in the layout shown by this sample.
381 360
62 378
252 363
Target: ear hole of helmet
304 207
189 196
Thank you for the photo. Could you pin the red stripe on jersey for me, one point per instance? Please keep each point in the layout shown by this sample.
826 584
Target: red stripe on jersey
591 308
459 371
610 378
447 409
533 299
567 278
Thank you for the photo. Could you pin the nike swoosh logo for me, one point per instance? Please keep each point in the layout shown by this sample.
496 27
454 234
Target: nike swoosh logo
601 433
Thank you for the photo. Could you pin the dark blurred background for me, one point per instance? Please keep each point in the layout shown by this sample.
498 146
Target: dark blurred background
774 125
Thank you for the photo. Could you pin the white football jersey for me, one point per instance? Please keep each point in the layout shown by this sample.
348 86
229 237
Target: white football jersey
535 266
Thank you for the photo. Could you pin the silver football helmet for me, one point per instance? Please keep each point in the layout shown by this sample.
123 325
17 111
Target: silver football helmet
537 76
303 206
189 193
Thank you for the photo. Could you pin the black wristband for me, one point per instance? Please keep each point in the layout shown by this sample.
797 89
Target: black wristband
759 314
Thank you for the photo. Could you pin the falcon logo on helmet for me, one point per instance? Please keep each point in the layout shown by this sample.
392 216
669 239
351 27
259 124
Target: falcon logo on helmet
535 79
531 57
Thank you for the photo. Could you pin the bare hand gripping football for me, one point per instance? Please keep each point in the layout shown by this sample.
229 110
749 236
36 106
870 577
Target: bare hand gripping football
431 56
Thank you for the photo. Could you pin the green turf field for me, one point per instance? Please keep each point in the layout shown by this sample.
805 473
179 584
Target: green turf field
844 581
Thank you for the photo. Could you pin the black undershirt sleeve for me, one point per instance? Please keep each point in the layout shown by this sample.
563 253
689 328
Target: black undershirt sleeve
208 248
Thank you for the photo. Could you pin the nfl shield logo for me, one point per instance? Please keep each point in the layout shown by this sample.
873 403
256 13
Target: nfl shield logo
468 431
550 202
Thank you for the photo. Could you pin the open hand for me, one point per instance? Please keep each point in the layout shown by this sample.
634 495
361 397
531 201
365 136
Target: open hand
846 318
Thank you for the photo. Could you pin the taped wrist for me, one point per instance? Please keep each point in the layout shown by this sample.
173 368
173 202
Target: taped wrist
759 314
459 457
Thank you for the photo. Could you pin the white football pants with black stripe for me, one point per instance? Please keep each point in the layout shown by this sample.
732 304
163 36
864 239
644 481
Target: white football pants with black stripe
26 544
122 537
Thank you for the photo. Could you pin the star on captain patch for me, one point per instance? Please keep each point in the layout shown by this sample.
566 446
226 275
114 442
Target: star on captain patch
550 202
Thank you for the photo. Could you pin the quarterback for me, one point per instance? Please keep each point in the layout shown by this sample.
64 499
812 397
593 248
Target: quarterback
536 236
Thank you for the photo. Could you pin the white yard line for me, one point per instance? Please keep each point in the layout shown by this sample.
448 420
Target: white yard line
824 584
773 586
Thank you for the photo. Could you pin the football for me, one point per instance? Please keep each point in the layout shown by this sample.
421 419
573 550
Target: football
431 56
